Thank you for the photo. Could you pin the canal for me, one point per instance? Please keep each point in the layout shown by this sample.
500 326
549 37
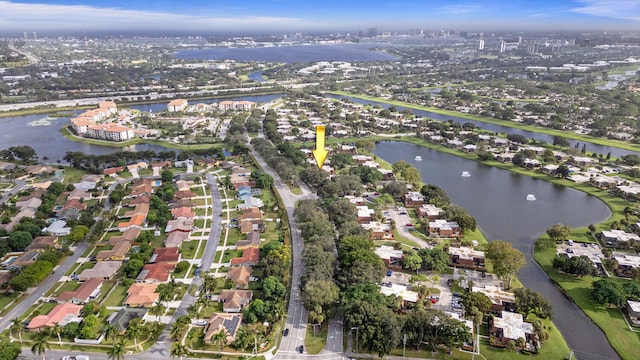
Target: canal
498 200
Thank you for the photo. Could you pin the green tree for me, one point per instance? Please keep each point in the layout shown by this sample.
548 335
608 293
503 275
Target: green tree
111 332
56 330
529 301
412 261
134 330
179 351
40 345
9 350
16 328
506 260
434 259
19 240
220 339
118 350
608 291
559 232
273 289
477 300
435 195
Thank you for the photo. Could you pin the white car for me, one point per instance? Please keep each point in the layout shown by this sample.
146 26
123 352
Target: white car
201 322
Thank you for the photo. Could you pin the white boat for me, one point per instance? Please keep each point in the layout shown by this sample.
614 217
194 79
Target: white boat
531 197
418 158
465 174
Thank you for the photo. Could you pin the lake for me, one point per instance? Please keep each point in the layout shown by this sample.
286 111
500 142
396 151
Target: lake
42 132
498 200
590 147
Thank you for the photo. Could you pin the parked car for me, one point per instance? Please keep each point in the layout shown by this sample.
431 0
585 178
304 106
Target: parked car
286 332
301 349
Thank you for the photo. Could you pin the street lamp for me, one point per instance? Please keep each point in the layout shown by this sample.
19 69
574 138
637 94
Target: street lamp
355 327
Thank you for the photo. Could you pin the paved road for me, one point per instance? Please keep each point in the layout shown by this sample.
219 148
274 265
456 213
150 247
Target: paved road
35 293
19 185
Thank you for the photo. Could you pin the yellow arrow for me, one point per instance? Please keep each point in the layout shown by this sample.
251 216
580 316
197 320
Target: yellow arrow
320 154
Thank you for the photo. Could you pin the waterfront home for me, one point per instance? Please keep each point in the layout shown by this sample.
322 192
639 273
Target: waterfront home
466 257
511 326
633 310
413 199
626 264
444 228
501 300
429 211
176 105
618 238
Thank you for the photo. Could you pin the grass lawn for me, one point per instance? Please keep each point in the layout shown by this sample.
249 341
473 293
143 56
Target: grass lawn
188 249
623 340
203 245
315 343
116 297
234 236
404 240
229 254
7 298
72 175
66 286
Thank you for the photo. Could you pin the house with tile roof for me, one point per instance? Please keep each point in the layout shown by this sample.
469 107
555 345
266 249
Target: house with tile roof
156 273
131 234
240 276
166 255
175 239
118 252
141 295
250 257
235 300
253 239
180 224
61 314
41 243
183 211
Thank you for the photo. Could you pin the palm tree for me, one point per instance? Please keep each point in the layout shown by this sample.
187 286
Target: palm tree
157 309
134 330
16 328
57 331
40 344
179 350
111 332
117 351
220 338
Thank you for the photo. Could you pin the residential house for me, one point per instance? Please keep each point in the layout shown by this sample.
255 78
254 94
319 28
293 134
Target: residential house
229 323
633 310
365 215
102 270
249 226
25 259
58 227
626 264
41 243
159 272
413 199
429 211
251 202
235 300
123 317
184 185
183 211
177 105
113 171
511 326
175 239
379 231
184 194
240 276
466 257
180 224
141 295
250 257
130 235
400 291
501 300
61 314
169 255
250 213
253 239
118 252
444 228
87 291
618 238
391 257
143 186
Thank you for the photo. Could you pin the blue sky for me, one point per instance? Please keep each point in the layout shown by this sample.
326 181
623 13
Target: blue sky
211 16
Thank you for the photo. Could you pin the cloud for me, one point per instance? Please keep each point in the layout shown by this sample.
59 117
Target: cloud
26 17
460 9
615 9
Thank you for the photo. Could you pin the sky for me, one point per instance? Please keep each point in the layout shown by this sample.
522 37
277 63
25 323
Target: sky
272 16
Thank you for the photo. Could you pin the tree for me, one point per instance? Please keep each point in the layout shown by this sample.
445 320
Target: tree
273 289
412 261
506 260
477 300
19 240
16 328
559 232
220 339
90 327
134 330
435 195
178 350
608 292
320 295
56 330
9 350
40 345
529 301
117 351
434 259
111 332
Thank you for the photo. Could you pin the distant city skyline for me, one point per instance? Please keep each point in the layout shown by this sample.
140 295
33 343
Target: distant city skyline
269 16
